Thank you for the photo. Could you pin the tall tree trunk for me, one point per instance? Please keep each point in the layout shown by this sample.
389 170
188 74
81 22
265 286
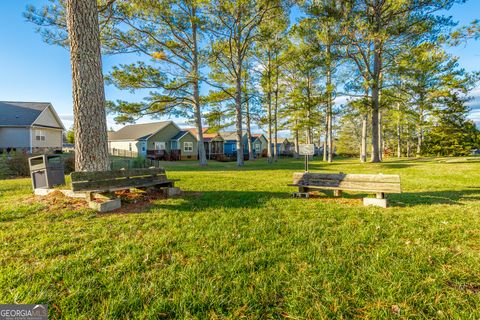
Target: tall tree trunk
375 109
377 69
297 147
238 113
329 107
202 157
90 123
399 133
363 150
420 133
249 131
275 111
380 135
408 142
251 156
269 113
325 143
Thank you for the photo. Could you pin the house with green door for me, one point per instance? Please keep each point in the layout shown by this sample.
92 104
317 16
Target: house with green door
162 140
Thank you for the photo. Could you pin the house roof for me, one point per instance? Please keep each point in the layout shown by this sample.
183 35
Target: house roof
20 113
180 134
138 131
228 135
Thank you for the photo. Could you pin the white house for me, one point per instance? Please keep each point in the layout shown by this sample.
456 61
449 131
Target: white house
30 126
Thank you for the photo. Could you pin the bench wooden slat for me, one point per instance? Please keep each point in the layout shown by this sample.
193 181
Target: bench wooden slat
109 175
349 182
346 177
361 188
119 184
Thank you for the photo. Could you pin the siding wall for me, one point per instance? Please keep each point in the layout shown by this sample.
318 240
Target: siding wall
189 155
53 138
165 135
124 145
14 137
47 118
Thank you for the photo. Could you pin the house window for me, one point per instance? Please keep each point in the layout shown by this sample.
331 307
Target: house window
159 145
130 147
234 147
188 147
40 135
257 147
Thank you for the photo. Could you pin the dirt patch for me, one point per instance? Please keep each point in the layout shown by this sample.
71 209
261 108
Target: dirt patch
57 201
136 202
466 287
132 201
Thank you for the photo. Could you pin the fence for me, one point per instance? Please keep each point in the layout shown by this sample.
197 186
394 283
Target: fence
136 163
123 153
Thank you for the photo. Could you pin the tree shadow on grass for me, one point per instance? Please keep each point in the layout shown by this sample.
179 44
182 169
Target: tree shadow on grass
450 197
210 200
197 201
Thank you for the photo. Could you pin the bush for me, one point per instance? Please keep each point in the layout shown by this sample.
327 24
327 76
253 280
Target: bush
69 164
18 165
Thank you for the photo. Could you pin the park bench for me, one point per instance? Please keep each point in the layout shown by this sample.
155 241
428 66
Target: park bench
102 184
378 184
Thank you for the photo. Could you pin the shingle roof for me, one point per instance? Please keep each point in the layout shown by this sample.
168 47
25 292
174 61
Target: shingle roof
180 134
229 135
138 131
20 113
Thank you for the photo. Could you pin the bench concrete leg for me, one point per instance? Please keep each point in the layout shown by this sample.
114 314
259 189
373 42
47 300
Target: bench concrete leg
382 203
337 193
300 195
171 192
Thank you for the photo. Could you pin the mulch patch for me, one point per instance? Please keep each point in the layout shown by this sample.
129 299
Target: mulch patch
131 201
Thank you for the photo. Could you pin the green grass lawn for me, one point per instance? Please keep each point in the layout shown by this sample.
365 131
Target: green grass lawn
236 245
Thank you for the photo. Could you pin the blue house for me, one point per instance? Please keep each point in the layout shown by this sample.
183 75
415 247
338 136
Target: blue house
230 142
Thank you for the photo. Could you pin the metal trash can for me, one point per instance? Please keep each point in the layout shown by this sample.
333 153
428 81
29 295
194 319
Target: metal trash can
47 171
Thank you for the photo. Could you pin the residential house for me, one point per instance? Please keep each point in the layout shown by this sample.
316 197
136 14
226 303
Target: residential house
162 140
230 142
30 126
213 142
285 147
259 145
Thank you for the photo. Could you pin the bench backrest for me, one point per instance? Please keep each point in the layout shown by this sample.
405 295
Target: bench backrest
353 182
107 180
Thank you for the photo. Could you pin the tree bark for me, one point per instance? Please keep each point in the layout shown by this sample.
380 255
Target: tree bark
249 131
269 113
297 147
363 150
238 114
380 136
399 133
375 108
420 133
202 157
329 107
90 123
275 111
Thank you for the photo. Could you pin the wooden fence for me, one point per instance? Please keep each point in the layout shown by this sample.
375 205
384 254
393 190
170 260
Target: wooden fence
122 153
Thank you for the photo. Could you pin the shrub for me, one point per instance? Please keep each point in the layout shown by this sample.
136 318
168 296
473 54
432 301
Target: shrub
69 164
18 165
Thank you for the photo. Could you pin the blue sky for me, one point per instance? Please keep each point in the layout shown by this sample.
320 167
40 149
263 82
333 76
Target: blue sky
31 70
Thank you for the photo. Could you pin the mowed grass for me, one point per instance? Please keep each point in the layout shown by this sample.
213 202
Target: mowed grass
236 245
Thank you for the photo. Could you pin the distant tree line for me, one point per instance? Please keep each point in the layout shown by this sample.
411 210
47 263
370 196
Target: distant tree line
405 96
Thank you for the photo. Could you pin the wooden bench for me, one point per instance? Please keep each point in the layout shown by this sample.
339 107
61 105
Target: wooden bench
378 184
101 184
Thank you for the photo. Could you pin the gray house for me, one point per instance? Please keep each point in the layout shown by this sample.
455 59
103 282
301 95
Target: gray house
30 127
162 140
